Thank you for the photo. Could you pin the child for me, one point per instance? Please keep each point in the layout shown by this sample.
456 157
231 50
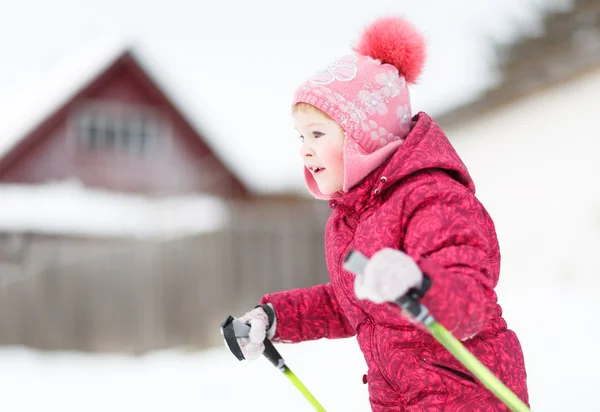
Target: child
398 190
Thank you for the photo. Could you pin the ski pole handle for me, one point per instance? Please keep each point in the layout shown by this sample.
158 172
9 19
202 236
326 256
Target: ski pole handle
233 329
273 355
355 262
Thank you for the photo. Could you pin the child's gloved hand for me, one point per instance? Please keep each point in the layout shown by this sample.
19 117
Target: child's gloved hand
388 275
262 323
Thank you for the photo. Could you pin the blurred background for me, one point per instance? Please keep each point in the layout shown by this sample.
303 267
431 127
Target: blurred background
150 185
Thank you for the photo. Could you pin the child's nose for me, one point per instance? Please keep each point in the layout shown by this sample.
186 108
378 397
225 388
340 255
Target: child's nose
306 150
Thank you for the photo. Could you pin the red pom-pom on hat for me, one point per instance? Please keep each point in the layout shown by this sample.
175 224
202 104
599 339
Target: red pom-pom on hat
396 41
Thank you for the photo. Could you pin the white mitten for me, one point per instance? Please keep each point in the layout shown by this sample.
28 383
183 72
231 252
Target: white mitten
260 328
388 275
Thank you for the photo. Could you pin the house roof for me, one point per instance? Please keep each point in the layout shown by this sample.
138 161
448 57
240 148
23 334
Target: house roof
567 46
38 101
44 100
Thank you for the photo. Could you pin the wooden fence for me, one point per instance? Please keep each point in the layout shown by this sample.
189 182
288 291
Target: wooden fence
132 296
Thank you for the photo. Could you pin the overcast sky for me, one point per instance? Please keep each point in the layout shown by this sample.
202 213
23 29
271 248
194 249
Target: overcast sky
235 64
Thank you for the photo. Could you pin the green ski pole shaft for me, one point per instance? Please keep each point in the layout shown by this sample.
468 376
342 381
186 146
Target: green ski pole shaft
456 348
300 386
356 261
277 360
232 329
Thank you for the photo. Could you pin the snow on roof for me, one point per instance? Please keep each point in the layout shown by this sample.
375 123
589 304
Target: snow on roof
47 94
68 208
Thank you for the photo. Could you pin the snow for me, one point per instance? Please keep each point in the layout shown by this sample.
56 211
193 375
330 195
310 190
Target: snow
181 381
45 95
68 208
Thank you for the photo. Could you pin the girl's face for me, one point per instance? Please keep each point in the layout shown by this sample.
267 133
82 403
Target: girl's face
322 148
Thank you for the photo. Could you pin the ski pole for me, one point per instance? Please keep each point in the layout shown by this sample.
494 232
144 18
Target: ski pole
233 328
355 263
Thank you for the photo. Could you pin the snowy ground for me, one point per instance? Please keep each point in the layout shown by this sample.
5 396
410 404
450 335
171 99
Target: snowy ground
178 381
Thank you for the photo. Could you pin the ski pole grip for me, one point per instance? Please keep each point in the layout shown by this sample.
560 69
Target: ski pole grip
410 304
355 262
233 329
273 355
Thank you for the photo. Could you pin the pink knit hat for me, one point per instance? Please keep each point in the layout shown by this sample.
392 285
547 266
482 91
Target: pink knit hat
366 94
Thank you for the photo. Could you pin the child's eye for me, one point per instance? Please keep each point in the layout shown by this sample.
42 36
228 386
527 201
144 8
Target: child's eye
317 134
301 138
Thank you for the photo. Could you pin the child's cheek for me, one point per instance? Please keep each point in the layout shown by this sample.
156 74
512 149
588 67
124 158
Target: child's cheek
335 159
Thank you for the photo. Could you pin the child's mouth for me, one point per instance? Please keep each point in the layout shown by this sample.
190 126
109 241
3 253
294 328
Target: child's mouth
318 170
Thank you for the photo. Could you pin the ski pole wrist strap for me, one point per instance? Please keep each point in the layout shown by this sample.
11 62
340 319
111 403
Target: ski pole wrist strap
229 334
268 309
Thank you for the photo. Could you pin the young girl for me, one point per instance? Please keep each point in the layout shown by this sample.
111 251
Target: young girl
400 195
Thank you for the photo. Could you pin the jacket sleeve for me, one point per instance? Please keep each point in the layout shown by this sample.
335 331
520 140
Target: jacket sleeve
450 235
308 314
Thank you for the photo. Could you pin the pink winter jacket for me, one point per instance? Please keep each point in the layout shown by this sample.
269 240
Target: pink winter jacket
421 201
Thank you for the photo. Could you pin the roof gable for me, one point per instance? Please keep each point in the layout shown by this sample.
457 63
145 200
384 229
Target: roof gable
82 81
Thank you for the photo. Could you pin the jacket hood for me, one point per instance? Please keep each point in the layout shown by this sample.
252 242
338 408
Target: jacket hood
425 147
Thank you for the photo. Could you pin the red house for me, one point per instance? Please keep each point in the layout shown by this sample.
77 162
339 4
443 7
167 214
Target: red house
120 131
159 264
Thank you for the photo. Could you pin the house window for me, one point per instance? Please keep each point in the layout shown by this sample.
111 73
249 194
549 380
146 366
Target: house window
122 129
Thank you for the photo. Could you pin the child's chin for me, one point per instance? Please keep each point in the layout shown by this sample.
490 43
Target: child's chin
329 190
